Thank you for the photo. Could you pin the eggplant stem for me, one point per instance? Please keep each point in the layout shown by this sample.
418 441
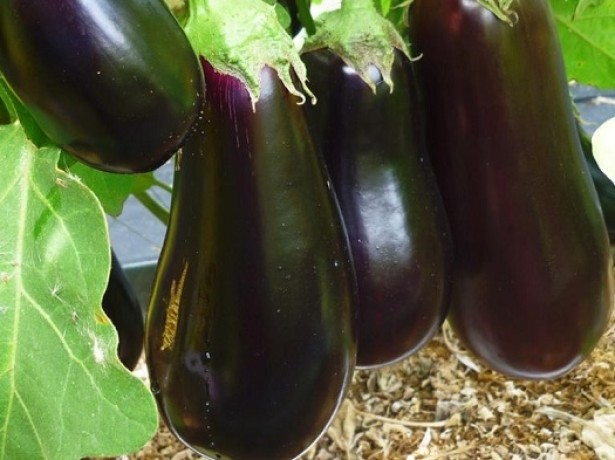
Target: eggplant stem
157 209
163 185
305 16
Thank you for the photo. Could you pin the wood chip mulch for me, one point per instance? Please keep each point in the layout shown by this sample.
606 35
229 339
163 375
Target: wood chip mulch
443 404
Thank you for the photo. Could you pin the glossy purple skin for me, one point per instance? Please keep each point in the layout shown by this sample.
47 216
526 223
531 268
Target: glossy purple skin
114 82
265 336
121 305
532 289
374 149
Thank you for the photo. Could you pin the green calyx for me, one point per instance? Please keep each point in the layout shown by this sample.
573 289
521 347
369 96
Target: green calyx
361 37
501 9
241 37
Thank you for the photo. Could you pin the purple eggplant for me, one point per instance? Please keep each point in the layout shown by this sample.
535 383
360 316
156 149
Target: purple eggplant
374 149
250 337
532 290
114 82
121 305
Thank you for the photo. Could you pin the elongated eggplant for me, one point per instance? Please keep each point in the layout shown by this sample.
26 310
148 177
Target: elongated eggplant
120 304
250 338
532 289
373 145
114 82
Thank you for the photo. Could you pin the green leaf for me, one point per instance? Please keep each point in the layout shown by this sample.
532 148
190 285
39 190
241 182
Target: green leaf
63 392
583 4
283 16
111 189
17 110
385 7
144 182
587 34
7 109
281 12
398 15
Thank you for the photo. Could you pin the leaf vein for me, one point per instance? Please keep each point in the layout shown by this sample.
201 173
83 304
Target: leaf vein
23 207
576 31
69 351
31 420
9 188
36 190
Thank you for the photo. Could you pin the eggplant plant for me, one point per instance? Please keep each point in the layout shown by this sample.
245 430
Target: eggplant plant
119 85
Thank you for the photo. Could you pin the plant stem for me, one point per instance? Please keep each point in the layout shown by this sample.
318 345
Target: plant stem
154 206
305 16
163 185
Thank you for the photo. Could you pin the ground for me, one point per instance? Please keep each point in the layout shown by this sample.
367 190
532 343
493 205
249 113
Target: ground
442 404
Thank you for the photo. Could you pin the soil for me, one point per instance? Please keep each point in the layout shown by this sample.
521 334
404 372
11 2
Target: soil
443 404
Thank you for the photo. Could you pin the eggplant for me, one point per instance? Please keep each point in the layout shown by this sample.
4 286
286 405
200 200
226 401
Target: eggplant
532 290
374 149
114 82
250 334
121 305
